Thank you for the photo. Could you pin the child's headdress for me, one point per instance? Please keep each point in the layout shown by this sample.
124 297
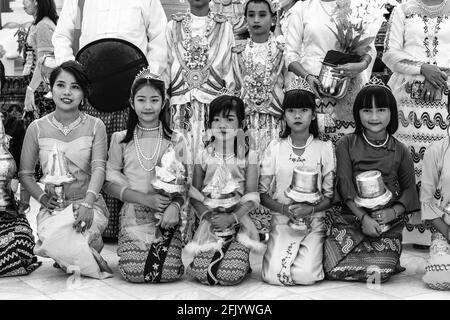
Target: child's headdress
299 83
376 82
147 74
273 4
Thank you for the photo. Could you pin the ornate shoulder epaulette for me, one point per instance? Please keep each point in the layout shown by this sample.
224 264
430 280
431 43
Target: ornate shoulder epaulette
239 48
219 17
178 16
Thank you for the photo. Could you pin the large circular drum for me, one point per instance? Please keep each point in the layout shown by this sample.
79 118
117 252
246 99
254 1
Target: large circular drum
112 65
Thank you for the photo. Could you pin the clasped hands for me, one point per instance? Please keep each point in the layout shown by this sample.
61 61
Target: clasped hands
298 211
371 223
221 220
435 82
163 203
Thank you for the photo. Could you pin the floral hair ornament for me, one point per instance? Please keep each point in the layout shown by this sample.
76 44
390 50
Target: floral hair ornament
274 5
299 83
376 82
145 73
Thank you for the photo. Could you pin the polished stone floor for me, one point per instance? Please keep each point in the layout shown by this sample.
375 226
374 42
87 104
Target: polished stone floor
49 283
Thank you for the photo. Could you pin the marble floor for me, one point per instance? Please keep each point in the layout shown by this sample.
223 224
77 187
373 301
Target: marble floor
48 283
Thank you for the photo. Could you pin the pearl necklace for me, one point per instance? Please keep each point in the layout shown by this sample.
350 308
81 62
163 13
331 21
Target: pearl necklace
375 145
148 129
140 154
308 142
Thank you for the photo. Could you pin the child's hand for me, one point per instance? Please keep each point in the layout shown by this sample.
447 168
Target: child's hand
222 221
370 227
170 218
156 201
300 210
383 216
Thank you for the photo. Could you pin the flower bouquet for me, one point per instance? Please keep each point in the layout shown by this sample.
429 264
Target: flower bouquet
170 178
352 20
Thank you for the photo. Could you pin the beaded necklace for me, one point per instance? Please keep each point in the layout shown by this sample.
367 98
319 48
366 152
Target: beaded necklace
196 55
140 154
258 80
432 10
376 145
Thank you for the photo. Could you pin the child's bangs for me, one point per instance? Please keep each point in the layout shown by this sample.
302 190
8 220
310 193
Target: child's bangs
299 99
375 96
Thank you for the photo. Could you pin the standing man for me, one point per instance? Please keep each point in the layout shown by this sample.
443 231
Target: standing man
141 22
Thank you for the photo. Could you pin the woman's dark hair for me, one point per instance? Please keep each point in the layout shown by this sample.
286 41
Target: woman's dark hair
376 96
257 1
133 119
298 99
77 71
46 8
222 106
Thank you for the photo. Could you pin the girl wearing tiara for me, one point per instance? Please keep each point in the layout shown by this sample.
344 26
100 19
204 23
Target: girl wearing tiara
224 190
259 68
141 159
294 256
359 245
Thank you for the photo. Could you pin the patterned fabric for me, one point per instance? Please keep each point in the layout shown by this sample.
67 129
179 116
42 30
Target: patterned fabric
351 255
416 36
16 247
437 270
148 253
420 124
114 121
227 266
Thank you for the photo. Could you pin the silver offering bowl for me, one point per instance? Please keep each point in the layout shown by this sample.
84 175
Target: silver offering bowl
332 85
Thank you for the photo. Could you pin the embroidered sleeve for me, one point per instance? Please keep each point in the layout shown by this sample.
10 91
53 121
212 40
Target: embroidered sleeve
44 35
228 72
430 193
394 56
99 151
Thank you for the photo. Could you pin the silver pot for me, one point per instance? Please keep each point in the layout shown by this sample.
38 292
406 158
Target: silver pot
332 85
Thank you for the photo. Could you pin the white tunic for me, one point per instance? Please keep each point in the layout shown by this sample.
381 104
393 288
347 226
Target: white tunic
141 22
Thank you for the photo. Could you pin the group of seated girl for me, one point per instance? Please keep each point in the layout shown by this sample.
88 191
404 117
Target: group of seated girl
148 166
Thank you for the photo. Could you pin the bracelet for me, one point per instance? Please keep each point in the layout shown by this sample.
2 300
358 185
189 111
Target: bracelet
307 75
313 209
41 196
122 191
93 192
86 205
